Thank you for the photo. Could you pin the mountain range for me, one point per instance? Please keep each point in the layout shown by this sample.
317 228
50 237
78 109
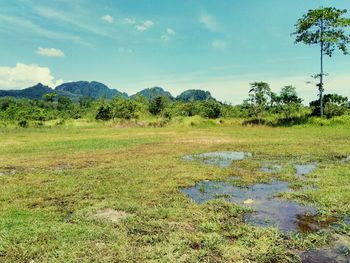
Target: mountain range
95 90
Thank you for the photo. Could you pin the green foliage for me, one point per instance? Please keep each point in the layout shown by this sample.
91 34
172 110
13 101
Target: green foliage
91 89
23 124
259 100
49 97
153 93
104 112
211 109
288 103
193 95
85 102
124 108
335 105
64 103
157 105
324 25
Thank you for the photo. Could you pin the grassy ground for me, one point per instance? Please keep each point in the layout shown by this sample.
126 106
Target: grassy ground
53 181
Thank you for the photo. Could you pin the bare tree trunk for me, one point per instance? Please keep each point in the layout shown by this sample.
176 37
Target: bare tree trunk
320 87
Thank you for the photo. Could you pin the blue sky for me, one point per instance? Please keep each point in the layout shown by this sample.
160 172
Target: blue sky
220 45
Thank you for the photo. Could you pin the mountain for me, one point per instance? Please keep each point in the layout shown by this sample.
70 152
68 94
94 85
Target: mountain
153 93
194 94
35 92
91 89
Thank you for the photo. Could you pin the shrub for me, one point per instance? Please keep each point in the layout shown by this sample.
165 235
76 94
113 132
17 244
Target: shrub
124 109
157 105
104 112
211 109
23 124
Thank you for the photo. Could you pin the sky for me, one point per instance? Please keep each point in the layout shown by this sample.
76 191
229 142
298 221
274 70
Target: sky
217 45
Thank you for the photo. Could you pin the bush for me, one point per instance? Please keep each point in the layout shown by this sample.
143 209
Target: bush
333 110
157 105
124 109
23 124
211 109
104 112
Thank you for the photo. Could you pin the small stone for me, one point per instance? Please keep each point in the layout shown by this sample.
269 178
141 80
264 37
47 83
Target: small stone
248 202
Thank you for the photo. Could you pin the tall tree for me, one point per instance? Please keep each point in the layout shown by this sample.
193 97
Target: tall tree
259 99
325 27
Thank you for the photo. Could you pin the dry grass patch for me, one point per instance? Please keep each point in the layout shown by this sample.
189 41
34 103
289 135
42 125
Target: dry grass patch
110 214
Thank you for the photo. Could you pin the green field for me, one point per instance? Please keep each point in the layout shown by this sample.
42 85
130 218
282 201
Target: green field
55 180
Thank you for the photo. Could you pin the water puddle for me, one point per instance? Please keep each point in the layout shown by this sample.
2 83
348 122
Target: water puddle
340 252
346 159
304 169
269 210
221 159
271 168
8 171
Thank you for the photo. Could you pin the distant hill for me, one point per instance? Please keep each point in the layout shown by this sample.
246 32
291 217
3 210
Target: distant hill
194 94
92 89
153 93
73 90
35 92
95 90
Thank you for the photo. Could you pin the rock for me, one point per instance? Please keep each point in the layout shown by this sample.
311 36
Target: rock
248 202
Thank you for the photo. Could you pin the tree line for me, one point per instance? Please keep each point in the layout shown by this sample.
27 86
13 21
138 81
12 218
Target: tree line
262 104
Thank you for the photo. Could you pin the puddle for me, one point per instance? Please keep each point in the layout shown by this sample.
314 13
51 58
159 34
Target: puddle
111 215
221 159
68 217
8 171
339 252
326 256
304 169
269 210
271 168
308 223
346 159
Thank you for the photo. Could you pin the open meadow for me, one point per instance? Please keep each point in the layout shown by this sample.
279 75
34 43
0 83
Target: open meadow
93 192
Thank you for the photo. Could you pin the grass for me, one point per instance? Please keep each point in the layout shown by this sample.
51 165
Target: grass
54 179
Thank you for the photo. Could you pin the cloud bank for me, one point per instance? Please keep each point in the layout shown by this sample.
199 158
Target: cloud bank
23 76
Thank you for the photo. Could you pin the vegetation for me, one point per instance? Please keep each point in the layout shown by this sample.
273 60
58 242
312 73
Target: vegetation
193 95
324 26
262 107
55 180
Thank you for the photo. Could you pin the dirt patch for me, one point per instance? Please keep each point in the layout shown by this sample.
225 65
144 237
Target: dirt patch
111 215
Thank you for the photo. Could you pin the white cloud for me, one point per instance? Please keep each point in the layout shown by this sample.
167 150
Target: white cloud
23 76
168 34
209 22
50 52
145 26
170 31
130 21
165 38
107 18
219 44
125 50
